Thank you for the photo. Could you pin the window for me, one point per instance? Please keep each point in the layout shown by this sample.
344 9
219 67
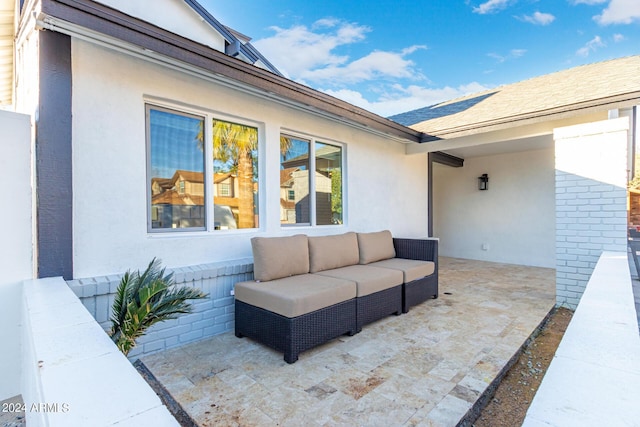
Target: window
180 185
328 184
235 156
225 189
175 170
311 199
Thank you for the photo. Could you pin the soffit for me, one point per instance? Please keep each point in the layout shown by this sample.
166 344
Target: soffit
6 51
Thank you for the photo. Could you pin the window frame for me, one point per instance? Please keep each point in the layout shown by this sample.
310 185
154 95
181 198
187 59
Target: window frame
313 140
208 116
148 190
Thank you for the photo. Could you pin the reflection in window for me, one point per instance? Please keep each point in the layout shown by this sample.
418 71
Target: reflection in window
235 175
328 184
295 206
176 170
311 199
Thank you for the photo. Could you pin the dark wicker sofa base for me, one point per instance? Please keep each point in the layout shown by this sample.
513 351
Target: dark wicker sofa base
294 335
378 305
420 290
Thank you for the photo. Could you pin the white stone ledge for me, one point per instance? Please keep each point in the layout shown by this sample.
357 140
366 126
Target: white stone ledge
73 374
594 378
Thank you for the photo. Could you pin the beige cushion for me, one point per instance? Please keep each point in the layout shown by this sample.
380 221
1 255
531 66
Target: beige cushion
411 268
368 279
297 295
375 246
327 252
277 257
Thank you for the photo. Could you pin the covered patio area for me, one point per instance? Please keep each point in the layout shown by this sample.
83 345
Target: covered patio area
427 367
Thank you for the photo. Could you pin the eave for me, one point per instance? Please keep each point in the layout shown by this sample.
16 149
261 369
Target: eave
89 19
626 100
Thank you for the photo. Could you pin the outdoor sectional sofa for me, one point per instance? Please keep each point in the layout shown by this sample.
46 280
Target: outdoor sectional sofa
309 290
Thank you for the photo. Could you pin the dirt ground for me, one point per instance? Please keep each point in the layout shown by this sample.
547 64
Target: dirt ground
513 396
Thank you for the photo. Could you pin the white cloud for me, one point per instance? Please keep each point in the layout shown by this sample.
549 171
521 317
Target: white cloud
618 37
513 54
589 2
307 55
591 46
619 12
375 65
297 49
491 6
401 99
539 18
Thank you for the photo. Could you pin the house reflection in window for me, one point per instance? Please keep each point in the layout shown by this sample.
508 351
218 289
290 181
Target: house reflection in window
176 170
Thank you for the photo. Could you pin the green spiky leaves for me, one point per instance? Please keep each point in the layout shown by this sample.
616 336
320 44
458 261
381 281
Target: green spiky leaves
143 299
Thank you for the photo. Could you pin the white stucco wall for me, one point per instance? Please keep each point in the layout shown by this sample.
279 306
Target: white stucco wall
385 187
172 15
16 249
515 218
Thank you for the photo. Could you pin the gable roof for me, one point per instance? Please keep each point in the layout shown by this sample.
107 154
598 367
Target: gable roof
109 27
235 45
599 86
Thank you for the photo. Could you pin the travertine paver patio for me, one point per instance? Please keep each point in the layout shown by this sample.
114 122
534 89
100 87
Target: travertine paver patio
424 368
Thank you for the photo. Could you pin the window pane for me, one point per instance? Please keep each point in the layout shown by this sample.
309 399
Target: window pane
294 181
328 184
235 175
177 170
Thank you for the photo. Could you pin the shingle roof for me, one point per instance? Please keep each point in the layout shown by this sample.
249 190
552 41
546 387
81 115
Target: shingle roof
603 85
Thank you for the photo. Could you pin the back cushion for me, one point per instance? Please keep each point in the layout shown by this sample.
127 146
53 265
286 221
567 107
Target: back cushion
327 252
375 246
277 257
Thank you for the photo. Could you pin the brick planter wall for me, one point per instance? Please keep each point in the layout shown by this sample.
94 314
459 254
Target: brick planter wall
210 316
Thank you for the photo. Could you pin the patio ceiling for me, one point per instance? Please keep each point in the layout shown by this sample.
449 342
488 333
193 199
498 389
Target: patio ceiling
6 51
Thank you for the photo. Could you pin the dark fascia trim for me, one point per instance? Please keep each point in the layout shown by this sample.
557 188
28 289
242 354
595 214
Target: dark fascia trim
204 13
111 22
447 159
628 99
248 47
249 51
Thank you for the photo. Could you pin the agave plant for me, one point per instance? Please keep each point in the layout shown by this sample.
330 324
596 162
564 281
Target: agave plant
143 299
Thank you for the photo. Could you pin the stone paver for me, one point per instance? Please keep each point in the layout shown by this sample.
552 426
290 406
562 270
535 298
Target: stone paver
423 368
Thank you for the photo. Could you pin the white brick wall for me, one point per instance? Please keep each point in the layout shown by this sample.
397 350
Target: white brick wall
591 201
210 316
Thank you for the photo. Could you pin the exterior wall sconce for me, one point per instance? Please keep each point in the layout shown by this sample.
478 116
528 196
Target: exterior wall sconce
483 182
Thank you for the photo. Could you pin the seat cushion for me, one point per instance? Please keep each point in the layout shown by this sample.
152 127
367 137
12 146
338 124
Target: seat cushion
296 295
411 269
277 257
375 246
369 279
328 252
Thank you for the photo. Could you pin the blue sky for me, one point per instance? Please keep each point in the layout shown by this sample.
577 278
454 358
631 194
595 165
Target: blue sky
394 56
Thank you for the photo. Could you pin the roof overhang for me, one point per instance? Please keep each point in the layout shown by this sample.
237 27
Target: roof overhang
103 25
614 102
7 32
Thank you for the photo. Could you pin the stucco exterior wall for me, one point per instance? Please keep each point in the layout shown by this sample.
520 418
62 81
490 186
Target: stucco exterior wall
514 220
591 201
16 249
385 188
174 16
